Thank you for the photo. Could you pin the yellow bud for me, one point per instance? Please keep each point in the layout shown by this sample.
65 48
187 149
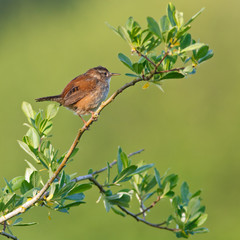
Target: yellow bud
146 85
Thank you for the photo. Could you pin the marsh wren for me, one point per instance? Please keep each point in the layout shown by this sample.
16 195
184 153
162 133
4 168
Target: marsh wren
84 93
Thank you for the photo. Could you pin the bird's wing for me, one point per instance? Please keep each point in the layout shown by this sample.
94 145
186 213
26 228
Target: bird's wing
78 88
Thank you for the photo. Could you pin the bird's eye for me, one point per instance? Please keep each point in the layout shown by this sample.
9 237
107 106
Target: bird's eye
105 73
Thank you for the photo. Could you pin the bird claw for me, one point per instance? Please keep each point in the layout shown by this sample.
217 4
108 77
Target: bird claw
94 116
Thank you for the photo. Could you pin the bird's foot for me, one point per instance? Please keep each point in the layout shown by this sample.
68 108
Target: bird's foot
94 116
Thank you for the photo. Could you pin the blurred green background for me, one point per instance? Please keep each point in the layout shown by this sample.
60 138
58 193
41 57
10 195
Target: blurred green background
193 128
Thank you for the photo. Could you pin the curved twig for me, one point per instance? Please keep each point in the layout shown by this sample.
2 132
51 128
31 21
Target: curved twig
135 216
3 233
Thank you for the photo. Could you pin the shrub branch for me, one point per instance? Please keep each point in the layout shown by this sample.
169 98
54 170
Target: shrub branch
93 118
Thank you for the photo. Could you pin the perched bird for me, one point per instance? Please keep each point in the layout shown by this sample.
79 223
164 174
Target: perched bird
85 93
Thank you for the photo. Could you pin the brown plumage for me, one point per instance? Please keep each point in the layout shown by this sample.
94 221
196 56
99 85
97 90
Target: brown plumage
85 93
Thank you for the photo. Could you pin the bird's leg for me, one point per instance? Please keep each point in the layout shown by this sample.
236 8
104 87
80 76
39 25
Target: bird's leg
85 123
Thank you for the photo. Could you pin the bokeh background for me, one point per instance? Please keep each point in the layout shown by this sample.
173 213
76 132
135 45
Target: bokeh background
193 128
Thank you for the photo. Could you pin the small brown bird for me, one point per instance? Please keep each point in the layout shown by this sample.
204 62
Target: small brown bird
85 93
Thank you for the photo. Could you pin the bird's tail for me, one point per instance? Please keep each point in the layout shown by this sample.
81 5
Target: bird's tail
56 98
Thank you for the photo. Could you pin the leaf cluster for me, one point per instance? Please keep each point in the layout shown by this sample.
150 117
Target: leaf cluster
145 184
63 193
165 47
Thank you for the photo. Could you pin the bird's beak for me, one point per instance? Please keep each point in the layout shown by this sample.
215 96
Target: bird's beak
115 74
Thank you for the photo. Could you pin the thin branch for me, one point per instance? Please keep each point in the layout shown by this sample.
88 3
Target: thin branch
102 190
88 176
134 153
4 226
8 235
151 206
142 208
144 56
160 62
171 70
146 222
158 225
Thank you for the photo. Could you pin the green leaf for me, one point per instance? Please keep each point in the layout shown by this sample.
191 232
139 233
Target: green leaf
75 197
186 41
25 224
113 29
46 129
171 33
119 160
33 137
175 203
51 111
80 188
173 75
143 168
206 57
178 18
122 200
17 182
154 27
201 220
125 60
26 148
164 24
172 178
157 177
74 204
192 47
131 75
28 110
9 186
38 118
18 220
194 17
8 200
30 165
197 193
53 189
125 173
167 188
147 196
25 187
182 31
202 52
152 183
188 70
118 212
193 206
35 179
124 159
137 68
129 23
64 190
44 160
124 34
184 193
171 14
107 205
201 230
